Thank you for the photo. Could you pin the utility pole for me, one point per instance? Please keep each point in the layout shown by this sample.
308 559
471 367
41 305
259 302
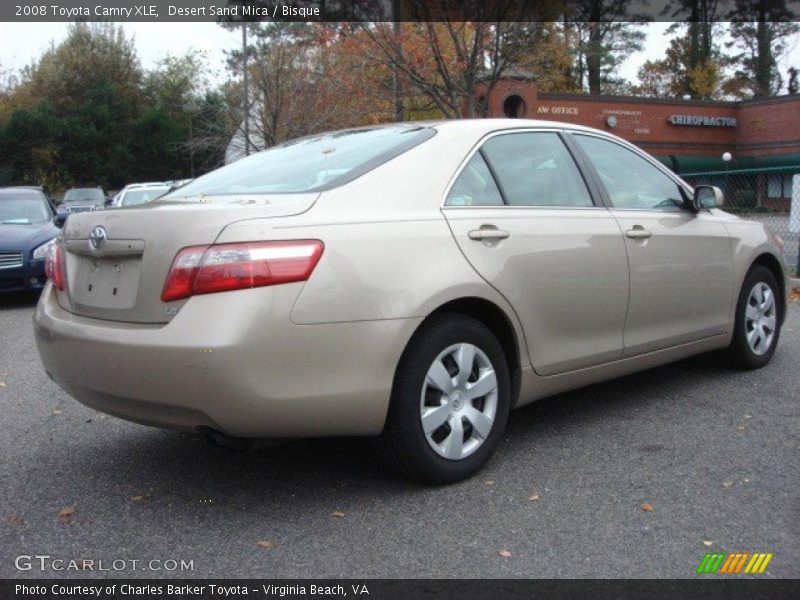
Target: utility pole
246 91
191 147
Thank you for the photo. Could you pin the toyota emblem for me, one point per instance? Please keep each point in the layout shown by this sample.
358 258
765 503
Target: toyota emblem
97 237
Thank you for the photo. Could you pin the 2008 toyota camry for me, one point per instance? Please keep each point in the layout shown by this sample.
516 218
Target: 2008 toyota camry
411 282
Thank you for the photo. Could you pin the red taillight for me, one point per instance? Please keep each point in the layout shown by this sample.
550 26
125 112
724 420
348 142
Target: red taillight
54 266
225 267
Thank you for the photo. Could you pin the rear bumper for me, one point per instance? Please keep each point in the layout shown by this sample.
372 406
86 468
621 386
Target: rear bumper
30 276
232 362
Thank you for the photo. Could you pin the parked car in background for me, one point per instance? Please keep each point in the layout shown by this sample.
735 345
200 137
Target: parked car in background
136 194
412 282
82 200
26 235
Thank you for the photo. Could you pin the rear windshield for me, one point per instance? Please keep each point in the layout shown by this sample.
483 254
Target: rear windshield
136 197
84 195
23 210
309 164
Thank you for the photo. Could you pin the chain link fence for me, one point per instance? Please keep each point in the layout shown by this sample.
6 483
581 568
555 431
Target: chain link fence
761 195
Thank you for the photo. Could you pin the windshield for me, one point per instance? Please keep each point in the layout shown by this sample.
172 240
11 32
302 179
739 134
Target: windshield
23 210
308 164
84 195
136 197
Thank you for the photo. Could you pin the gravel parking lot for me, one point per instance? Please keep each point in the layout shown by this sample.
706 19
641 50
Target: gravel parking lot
638 477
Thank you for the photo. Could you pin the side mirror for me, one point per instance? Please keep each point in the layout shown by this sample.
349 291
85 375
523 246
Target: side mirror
60 219
708 196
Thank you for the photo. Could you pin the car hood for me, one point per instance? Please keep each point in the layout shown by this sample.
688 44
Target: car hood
23 237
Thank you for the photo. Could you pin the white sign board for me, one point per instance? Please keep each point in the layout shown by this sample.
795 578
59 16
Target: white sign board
794 215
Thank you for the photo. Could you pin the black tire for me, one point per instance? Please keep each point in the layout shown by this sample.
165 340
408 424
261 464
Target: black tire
739 354
403 444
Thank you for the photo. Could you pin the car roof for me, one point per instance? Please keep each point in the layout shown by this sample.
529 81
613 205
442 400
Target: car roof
24 187
497 124
21 191
133 186
483 126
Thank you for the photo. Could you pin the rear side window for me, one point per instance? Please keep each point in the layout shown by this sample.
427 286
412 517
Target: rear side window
309 164
536 169
475 186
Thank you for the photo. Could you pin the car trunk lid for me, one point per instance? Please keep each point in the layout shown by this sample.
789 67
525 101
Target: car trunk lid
117 260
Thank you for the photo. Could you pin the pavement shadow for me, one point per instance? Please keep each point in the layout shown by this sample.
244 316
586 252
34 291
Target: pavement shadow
10 300
298 471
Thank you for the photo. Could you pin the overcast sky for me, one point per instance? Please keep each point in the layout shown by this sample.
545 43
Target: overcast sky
23 42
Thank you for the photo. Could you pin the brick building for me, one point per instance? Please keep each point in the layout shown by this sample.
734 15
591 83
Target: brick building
689 136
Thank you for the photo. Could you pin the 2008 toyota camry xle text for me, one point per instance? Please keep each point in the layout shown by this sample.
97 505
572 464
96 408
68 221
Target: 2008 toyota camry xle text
410 282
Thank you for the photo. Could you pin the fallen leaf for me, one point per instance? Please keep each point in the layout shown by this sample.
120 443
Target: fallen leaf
534 498
138 498
57 412
795 295
740 428
727 484
708 543
15 520
66 512
748 417
338 514
264 543
489 482
504 554
647 507
2 384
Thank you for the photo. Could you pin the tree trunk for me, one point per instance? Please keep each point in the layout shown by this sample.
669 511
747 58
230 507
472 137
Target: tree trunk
594 62
764 60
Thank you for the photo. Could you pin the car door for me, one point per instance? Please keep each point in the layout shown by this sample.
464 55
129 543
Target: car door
681 265
525 219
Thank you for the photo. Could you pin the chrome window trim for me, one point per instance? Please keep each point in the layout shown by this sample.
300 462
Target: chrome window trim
511 131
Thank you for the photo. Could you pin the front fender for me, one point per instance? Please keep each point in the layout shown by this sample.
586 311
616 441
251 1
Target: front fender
752 241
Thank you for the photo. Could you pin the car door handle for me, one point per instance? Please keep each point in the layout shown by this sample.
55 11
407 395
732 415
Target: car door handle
488 233
638 233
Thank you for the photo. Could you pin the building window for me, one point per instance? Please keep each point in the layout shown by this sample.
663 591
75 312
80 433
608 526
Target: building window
514 107
779 186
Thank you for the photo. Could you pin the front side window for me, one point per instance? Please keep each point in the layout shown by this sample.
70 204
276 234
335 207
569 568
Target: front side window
630 180
308 164
536 169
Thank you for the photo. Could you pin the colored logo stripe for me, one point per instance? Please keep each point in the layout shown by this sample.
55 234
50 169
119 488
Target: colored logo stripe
758 564
734 563
710 563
